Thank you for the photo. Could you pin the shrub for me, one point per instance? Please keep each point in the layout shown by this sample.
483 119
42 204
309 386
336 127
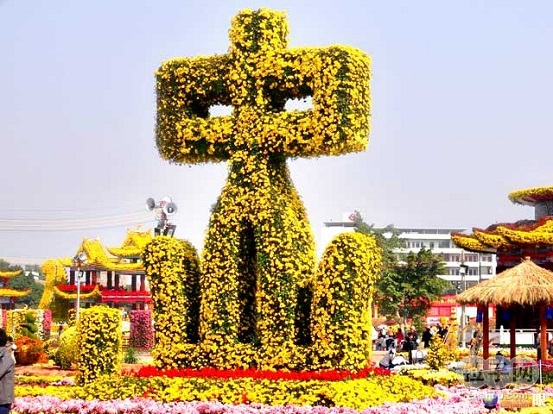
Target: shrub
99 343
130 356
29 350
428 377
29 328
438 354
71 317
66 354
50 347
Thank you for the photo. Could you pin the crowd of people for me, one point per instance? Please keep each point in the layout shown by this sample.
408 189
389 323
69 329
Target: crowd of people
398 341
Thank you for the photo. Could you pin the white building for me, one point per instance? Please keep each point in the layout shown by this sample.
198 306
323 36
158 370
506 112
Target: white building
476 266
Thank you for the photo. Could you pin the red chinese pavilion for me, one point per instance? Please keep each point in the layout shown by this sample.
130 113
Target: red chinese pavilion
114 276
513 242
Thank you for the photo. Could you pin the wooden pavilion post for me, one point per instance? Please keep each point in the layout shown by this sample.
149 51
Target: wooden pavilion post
486 336
512 333
543 333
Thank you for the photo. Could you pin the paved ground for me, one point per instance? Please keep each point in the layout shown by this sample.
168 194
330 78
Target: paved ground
377 356
42 369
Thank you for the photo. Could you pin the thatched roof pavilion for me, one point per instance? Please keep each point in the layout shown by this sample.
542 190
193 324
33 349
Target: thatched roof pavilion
526 284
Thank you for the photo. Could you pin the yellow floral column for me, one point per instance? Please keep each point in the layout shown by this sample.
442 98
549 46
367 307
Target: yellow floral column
341 310
99 344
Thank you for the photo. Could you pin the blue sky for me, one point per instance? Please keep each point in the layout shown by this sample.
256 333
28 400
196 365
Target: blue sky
461 113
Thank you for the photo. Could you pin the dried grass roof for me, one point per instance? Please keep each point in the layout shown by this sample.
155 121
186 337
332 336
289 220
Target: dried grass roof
524 284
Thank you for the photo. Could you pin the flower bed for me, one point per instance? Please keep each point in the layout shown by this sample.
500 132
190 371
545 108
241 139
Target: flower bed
325 375
134 405
268 389
433 377
126 394
446 401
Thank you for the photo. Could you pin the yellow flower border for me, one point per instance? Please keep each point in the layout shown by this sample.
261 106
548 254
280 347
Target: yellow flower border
541 233
133 245
12 293
470 243
73 296
10 273
531 196
491 238
96 255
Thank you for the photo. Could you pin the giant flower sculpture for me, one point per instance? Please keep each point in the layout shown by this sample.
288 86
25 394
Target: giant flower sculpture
255 299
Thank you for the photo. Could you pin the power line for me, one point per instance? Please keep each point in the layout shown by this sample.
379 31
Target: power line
75 224
66 209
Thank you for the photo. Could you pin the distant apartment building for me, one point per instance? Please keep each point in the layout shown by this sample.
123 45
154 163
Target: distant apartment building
462 268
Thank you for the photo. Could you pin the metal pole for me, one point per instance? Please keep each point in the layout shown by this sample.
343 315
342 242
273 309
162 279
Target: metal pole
479 267
463 271
463 339
79 274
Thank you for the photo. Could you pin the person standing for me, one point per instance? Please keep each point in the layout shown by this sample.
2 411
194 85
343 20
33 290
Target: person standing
474 347
426 337
7 374
399 338
11 346
408 346
411 342
413 335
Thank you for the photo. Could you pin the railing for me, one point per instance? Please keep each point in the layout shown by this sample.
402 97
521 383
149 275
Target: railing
501 337
524 337
519 373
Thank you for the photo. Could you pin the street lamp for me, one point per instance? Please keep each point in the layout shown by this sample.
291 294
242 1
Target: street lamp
78 261
463 272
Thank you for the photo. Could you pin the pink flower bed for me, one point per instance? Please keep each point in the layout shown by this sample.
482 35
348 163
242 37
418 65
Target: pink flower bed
456 400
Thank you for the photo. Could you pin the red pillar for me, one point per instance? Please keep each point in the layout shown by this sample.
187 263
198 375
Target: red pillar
142 283
543 333
512 333
486 336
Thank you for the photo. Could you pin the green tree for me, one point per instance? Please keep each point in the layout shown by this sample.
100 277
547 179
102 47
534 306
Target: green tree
406 288
387 239
414 285
24 281
4 265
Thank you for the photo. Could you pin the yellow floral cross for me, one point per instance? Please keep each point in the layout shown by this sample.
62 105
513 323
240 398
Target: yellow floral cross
258 270
256 78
